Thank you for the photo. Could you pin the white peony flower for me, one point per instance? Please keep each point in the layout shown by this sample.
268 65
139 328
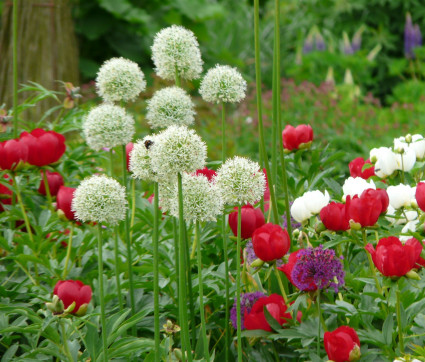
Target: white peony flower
401 195
120 79
240 181
410 226
175 49
223 84
101 199
406 160
391 212
170 106
309 204
299 211
355 186
385 161
108 126
418 145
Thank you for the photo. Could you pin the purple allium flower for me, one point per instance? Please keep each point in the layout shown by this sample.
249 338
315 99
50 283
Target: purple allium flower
247 301
319 266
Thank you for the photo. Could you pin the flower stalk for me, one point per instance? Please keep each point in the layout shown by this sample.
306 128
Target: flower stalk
101 293
398 312
238 284
155 241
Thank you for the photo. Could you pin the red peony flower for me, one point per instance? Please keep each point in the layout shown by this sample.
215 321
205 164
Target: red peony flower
294 137
356 168
54 179
251 219
342 345
420 195
206 172
128 149
276 306
64 199
12 152
381 194
44 147
393 258
70 291
334 217
5 193
270 242
365 209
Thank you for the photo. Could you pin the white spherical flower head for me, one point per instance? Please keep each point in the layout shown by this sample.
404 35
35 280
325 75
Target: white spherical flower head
385 161
140 160
177 150
401 195
223 84
299 210
240 181
175 49
170 106
101 199
201 199
316 200
108 126
120 79
355 186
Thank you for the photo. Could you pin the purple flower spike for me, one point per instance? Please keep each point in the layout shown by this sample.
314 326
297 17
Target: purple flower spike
247 301
320 43
316 266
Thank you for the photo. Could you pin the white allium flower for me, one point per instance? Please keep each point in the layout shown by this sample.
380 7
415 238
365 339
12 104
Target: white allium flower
240 181
120 79
401 195
140 160
101 199
176 48
385 161
299 211
177 150
355 186
108 126
223 84
406 160
201 199
170 106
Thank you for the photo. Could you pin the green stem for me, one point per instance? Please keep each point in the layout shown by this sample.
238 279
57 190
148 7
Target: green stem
65 340
101 293
155 241
400 329
319 311
176 252
117 273
201 294
190 289
128 243
21 204
186 349
263 152
275 96
279 280
371 265
68 252
238 283
15 68
133 206
47 188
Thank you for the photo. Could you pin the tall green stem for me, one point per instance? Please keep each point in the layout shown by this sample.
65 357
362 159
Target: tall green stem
275 102
319 311
282 288
65 340
15 68
101 293
400 329
371 265
187 352
201 294
128 242
155 241
189 288
117 268
238 283
263 152
176 252
68 252
224 237
21 204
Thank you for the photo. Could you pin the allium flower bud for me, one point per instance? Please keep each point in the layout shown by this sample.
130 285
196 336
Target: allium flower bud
355 186
175 49
240 181
176 150
108 126
120 79
140 160
201 199
101 199
170 106
223 84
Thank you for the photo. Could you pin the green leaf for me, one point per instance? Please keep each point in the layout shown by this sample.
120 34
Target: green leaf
123 9
10 352
387 329
273 323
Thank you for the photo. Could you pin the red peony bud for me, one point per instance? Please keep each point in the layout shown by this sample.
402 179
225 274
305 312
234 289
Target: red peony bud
394 259
70 291
334 217
420 195
270 242
64 199
54 179
12 152
365 209
251 219
356 168
342 345
293 138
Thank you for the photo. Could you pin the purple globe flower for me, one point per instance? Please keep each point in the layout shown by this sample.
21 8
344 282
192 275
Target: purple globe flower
320 267
247 301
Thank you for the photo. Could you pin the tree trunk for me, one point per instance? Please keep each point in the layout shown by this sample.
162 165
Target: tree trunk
47 50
